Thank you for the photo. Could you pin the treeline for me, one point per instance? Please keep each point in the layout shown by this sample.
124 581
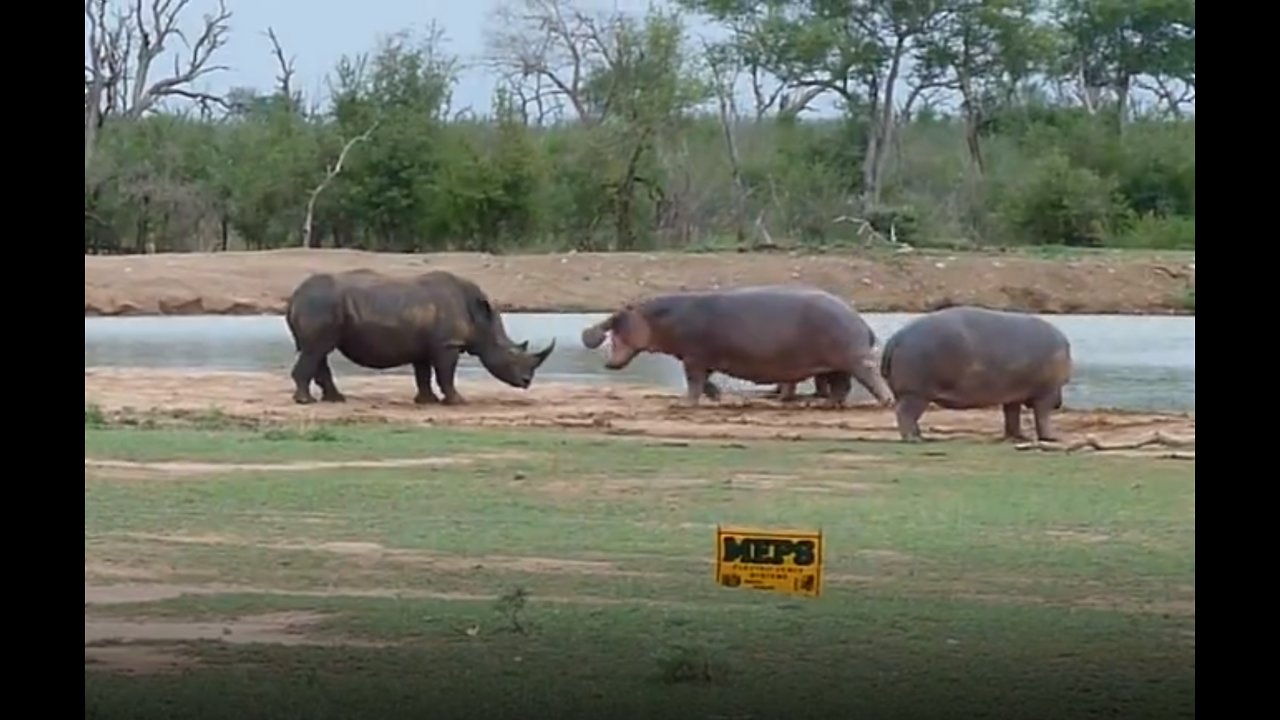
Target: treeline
960 122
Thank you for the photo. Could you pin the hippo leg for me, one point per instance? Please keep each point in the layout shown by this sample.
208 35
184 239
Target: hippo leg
1043 407
695 377
422 377
324 378
868 375
786 392
446 366
910 408
838 386
304 369
1013 422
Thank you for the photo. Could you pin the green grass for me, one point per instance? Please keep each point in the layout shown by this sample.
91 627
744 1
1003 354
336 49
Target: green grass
962 579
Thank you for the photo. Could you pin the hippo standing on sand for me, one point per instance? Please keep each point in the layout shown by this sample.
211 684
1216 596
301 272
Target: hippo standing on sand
970 357
768 334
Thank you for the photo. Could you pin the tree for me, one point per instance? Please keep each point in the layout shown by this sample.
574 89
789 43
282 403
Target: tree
120 54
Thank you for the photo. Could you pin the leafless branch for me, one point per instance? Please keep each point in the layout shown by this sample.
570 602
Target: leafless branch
1172 92
330 174
549 41
122 53
151 43
285 79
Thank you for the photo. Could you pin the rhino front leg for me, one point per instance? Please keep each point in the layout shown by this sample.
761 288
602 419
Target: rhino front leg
422 377
324 378
446 366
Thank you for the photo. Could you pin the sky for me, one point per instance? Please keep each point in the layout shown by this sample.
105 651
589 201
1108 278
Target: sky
317 33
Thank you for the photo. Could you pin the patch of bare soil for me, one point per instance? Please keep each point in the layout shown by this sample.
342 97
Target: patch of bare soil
197 468
259 282
433 560
615 410
154 646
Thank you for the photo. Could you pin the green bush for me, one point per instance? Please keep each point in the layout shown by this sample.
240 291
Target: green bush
1062 204
1155 232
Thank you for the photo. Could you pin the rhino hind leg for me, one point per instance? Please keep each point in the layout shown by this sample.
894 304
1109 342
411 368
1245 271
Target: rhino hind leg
324 378
1013 422
422 378
306 369
711 390
446 367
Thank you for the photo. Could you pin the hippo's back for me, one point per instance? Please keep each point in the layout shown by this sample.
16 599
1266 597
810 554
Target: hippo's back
787 303
973 356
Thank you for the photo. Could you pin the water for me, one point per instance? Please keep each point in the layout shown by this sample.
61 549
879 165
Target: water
1135 362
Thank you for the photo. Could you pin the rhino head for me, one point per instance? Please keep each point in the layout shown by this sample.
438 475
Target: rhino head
514 364
506 360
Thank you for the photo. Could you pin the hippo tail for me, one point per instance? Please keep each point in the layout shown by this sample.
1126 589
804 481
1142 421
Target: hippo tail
886 355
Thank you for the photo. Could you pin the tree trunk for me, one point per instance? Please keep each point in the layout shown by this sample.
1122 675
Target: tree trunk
882 128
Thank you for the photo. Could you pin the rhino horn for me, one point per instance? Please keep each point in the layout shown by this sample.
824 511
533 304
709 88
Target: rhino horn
541 356
523 347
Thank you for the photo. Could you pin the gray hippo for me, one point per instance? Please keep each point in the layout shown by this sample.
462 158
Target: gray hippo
970 357
764 334
380 322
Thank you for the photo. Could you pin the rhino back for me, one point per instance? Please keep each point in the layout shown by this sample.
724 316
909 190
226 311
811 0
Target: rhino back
411 304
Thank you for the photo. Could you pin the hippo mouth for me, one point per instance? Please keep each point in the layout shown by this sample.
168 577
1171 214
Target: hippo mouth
620 354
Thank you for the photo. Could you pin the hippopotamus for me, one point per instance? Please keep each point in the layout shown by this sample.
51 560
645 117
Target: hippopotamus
381 322
762 334
966 357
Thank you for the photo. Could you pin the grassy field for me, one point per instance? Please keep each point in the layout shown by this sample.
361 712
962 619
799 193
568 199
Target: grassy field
526 574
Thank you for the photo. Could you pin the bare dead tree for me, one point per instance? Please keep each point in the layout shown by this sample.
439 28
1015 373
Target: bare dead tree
123 50
725 70
553 45
1173 93
330 174
284 80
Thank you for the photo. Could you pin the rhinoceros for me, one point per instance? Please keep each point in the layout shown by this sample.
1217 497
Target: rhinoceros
382 322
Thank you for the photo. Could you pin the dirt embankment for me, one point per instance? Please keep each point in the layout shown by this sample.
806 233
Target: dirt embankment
259 282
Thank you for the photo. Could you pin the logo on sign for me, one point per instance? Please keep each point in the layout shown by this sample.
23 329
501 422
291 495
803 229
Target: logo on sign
789 562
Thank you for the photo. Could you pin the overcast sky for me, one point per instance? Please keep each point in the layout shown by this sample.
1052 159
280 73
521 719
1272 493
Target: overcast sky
319 32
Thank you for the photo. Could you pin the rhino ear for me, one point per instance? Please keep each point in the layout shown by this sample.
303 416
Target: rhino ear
486 310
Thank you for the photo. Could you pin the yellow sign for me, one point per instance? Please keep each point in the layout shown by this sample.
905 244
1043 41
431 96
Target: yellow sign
782 561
